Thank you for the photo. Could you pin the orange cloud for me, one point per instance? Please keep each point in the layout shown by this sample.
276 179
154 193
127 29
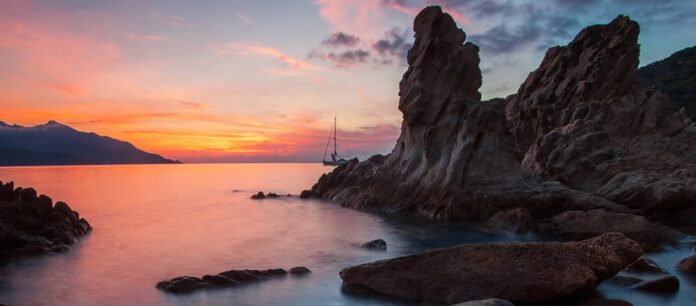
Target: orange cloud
253 49
143 37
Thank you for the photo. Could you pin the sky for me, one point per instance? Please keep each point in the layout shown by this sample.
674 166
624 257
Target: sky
260 81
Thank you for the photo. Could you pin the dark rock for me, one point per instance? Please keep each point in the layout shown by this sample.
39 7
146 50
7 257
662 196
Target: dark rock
306 194
529 272
272 195
667 284
258 196
645 264
377 244
675 76
625 280
231 278
517 219
299 270
688 265
486 302
599 302
585 224
31 225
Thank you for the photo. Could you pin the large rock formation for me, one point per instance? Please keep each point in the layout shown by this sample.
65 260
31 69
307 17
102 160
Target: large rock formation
530 272
580 134
31 224
675 76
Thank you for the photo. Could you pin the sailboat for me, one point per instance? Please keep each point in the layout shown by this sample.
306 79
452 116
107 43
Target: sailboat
335 160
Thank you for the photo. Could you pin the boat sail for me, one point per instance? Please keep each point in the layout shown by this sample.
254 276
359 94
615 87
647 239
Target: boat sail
336 160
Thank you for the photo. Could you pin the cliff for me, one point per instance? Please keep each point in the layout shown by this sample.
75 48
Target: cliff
581 133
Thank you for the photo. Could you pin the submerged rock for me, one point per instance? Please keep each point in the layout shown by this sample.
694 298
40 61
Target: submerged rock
306 194
377 244
666 284
231 278
299 270
32 225
688 265
258 196
528 272
585 224
645 264
271 195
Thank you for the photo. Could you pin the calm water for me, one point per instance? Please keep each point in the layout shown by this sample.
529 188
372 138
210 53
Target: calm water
154 222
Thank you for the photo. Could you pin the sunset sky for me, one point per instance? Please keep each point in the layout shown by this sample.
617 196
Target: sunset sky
225 81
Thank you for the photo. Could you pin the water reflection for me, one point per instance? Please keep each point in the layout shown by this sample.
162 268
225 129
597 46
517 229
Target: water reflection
153 222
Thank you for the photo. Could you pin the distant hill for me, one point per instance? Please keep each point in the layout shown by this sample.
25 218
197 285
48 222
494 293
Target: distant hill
54 143
676 76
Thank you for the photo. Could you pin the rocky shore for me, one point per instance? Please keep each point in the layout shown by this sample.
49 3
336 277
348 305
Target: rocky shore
231 278
582 152
32 225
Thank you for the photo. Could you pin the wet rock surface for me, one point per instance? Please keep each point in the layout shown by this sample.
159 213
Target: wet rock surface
231 278
688 265
377 245
31 224
299 270
579 225
645 265
580 134
486 302
528 272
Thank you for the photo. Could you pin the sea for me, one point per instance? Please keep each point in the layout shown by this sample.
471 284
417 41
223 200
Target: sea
156 222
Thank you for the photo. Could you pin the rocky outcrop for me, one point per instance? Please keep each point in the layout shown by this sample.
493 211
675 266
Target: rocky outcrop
31 224
645 265
231 278
579 225
580 134
582 118
675 76
528 272
454 157
517 219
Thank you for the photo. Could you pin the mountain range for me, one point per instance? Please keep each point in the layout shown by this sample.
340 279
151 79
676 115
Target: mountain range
54 143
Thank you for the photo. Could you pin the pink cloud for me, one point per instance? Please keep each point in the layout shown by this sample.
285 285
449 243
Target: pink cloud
244 18
255 49
143 37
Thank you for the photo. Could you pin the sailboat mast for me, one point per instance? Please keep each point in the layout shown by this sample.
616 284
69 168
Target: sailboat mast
335 128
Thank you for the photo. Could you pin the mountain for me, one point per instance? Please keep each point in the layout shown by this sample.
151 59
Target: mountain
676 76
54 143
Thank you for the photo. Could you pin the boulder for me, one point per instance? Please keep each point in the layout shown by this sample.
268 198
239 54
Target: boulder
517 219
231 278
32 225
306 194
688 265
299 270
646 265
520 272
377 244
585 224
665 284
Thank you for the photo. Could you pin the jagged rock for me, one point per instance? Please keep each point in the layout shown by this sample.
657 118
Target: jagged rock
455 157
528 272
645 264
258 196
688 265
517 219
32 225
582 225
582 118
231 278
666 284
377 244
299 270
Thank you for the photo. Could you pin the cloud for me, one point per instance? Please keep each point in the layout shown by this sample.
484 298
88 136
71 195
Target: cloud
393 43
254 49
143 37
244 18
341 39
348 58
503 39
